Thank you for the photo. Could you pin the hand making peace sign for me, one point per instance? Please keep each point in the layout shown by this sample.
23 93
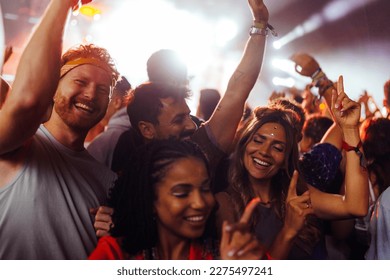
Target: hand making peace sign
237 242
345 110
297 207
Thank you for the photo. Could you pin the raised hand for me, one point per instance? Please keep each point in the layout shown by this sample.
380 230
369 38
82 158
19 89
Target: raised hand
103 220
305 64
259 11
238 242
364 98
345 110
297 208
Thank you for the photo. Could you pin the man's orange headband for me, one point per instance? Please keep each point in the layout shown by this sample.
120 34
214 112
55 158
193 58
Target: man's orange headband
80 61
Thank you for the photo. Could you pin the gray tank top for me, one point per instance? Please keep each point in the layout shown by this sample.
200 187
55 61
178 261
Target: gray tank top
44 211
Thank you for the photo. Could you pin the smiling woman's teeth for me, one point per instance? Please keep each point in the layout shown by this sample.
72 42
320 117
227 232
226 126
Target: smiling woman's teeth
195 218
262 163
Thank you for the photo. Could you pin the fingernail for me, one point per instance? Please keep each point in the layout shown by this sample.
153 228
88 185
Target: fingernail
228 228
231 253
336 106
241 252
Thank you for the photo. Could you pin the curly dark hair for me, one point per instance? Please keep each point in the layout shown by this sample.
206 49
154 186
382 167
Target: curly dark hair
146 105
239 184
133 195
316 126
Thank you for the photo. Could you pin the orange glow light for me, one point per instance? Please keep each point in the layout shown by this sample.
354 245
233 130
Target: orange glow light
89 11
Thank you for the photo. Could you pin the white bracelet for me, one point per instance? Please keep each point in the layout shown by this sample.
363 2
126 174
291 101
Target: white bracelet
258 31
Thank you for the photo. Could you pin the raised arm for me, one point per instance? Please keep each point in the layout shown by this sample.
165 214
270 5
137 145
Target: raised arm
355 200
36 78
306 65
228 113
346 114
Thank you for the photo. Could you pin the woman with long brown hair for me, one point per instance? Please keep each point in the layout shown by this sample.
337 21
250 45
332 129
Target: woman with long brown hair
264 161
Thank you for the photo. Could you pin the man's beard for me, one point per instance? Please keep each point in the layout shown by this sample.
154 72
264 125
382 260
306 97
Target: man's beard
64 107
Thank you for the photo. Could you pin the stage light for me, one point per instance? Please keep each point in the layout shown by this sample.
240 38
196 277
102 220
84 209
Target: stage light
285 65
313 23
337 9
10 16
340 8
277 45
286 82
73 22
97 17
308 26
88 38
132 37
89 11
288 66
226 30
333 11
